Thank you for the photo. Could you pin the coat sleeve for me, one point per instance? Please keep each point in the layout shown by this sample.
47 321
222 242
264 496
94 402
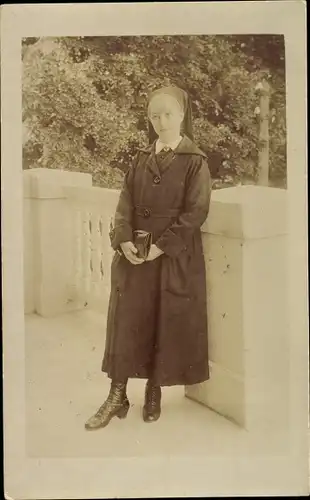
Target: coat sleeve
196 207
122 230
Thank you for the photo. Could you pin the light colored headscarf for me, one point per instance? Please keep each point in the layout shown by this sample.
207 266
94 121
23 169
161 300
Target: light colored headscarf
182 97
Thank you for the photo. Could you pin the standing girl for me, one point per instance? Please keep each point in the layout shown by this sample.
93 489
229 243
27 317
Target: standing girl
157 319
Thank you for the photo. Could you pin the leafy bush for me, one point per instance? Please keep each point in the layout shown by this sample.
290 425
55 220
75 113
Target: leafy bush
84 100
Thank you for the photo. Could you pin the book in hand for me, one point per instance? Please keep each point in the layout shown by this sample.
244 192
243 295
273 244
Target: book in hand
142 241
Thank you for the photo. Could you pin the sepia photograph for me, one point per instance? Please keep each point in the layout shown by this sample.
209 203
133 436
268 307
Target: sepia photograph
155 243
123 235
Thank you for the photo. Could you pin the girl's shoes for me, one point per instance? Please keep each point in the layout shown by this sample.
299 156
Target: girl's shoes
116 405
152 400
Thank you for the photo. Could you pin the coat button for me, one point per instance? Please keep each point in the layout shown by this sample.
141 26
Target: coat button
156 179
146 213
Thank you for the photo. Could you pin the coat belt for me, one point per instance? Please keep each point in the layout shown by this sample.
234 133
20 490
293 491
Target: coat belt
147 212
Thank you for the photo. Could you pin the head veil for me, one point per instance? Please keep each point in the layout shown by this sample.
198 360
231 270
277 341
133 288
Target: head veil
182 97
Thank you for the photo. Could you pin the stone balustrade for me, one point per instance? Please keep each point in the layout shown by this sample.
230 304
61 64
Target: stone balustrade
67 259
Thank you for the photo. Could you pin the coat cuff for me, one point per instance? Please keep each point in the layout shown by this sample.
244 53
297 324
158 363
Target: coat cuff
171 244
120 235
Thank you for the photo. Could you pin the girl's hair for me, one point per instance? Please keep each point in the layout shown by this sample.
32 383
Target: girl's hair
178 94
163 94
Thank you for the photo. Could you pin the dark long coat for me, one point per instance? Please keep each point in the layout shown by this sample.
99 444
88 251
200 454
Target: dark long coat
157 318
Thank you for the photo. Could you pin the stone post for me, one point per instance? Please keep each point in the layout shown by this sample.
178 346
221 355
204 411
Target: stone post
48 239
245 243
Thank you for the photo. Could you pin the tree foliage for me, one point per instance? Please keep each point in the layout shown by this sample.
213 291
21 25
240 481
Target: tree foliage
84 100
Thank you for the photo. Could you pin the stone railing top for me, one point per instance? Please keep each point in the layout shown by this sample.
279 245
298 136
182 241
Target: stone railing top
49 183
244 212
248 194
247 212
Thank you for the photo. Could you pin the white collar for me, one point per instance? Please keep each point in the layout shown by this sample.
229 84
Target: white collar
172 145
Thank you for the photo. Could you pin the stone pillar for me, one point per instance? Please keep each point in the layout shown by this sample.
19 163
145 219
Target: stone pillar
245 243
48 239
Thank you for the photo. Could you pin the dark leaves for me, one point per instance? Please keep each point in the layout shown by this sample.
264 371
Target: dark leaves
84 99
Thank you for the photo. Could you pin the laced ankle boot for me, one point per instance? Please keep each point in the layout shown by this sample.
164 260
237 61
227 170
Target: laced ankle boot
152 400
116 405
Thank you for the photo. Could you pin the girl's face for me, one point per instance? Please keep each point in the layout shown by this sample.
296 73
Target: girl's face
166 116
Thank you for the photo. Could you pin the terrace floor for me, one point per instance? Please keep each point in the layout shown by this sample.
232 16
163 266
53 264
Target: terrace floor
65 386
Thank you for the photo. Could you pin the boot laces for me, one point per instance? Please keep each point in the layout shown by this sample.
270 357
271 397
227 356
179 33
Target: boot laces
115 398
154 393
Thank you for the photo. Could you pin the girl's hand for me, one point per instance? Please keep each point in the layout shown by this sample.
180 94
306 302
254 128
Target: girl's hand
154 253
129 250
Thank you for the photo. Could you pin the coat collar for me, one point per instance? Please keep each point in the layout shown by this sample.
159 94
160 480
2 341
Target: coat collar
159 145
186 146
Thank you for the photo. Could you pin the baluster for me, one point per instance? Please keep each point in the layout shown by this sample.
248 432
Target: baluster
95 257
77 254
86 254
100 250
106 253
103 249
101 229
